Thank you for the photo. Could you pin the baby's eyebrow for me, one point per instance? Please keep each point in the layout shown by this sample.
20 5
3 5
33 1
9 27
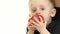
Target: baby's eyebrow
41 6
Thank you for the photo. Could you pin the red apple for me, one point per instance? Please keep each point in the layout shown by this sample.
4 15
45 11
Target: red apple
37 16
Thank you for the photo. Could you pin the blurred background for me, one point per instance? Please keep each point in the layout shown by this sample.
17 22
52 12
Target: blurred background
13 16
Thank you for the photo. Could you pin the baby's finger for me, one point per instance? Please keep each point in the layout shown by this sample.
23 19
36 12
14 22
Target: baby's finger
36 20
33 26
29 23
41 19
34 23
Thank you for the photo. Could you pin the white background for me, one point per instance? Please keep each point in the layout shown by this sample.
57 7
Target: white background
13 16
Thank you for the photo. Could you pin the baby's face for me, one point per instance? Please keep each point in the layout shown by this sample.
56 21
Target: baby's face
41 7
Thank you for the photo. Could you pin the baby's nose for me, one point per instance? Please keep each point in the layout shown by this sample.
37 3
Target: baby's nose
37 13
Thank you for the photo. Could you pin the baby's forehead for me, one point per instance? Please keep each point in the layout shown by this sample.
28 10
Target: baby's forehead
40 2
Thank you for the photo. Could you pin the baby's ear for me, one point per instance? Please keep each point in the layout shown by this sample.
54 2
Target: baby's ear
53 12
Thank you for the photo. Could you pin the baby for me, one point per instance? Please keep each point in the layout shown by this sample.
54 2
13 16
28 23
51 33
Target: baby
44 8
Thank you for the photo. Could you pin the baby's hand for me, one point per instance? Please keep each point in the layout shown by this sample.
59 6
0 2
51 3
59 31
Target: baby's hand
38 25
30 27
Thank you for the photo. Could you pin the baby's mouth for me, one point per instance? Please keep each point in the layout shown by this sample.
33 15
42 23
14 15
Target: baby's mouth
37 16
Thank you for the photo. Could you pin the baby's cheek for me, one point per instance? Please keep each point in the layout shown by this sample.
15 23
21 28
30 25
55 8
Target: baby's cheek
48 19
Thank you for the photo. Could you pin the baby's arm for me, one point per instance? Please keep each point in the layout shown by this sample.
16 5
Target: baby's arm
42 32
30 32
45 31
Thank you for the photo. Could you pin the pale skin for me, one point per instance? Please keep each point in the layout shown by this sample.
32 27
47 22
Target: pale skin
46 10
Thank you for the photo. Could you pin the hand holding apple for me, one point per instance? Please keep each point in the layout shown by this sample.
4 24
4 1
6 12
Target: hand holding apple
37 16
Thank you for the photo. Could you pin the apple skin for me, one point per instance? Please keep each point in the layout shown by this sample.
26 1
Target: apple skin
37 16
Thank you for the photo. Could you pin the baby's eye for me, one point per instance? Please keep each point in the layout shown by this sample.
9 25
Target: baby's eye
42 9
33 10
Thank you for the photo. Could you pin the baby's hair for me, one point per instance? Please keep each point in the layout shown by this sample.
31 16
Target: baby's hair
52 1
